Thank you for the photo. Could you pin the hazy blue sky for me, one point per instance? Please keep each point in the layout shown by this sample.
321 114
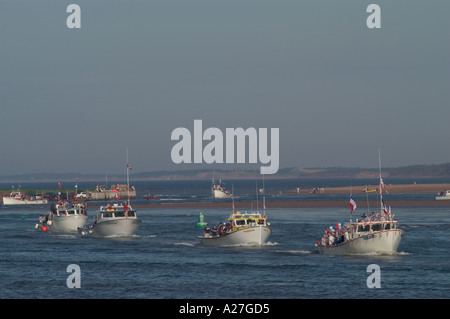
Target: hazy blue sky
74 100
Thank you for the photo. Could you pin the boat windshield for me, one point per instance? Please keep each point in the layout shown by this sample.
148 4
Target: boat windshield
118 214
363 228
377 227
240 222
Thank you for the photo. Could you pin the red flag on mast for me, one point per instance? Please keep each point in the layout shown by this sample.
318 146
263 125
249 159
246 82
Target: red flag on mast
352 205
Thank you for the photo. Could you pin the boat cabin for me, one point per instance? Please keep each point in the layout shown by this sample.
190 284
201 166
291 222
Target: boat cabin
239 220
374 226
116 211
69 211
15 195
66 209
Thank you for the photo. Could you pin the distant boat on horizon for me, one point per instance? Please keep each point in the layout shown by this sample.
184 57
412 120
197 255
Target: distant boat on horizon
17 198
443 195
218 190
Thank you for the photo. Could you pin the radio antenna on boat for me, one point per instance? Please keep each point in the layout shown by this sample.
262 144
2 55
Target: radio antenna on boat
381 182
232 198
257 200
128 179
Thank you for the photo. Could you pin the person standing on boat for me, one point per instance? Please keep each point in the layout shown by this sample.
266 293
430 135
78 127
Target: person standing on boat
125 208
331 239
214 231
324 239
207 231
346 235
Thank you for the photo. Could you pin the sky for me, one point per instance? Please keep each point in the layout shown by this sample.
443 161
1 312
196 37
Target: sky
75 100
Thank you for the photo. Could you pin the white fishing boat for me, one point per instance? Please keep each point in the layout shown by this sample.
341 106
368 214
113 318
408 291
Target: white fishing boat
372 235
64 218
443 195
113 220
218 190
375 234
240 229
17 198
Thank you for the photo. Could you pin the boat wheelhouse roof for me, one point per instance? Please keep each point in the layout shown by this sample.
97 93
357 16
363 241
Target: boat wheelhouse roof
116 211
116 214
239 215
69 211
13 194
114 207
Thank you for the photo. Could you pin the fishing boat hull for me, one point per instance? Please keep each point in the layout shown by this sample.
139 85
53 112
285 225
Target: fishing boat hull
16 201
67 224
118 227
384 242
246 236
443 196
220 194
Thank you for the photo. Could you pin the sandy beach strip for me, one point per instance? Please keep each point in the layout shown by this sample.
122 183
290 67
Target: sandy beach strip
389 188
288 204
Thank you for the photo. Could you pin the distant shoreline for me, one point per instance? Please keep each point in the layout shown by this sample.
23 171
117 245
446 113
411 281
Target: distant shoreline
270 206
393 189
389 188
288 204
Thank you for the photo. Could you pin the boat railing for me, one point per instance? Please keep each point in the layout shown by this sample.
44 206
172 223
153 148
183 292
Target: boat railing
373 226
118 214
247 220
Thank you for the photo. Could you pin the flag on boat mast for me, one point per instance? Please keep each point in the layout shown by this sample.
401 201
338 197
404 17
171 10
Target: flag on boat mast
352 205
382 186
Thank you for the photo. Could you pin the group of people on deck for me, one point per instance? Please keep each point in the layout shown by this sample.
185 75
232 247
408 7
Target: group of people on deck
335 235
215 231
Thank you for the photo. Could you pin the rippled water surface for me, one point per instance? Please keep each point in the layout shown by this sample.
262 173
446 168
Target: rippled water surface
165 260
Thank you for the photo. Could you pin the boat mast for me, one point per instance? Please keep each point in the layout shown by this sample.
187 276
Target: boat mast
128 179
381 183
264 196
232 198
351 193
257 200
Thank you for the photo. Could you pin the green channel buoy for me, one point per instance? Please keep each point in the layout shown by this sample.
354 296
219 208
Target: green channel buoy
201 221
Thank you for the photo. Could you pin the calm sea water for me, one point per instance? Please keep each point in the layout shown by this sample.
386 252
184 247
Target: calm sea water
165 261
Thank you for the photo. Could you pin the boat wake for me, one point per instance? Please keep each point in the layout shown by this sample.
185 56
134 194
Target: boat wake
296 252
121 237
149 236
269 243
378 254
252 245
65 236
185 244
